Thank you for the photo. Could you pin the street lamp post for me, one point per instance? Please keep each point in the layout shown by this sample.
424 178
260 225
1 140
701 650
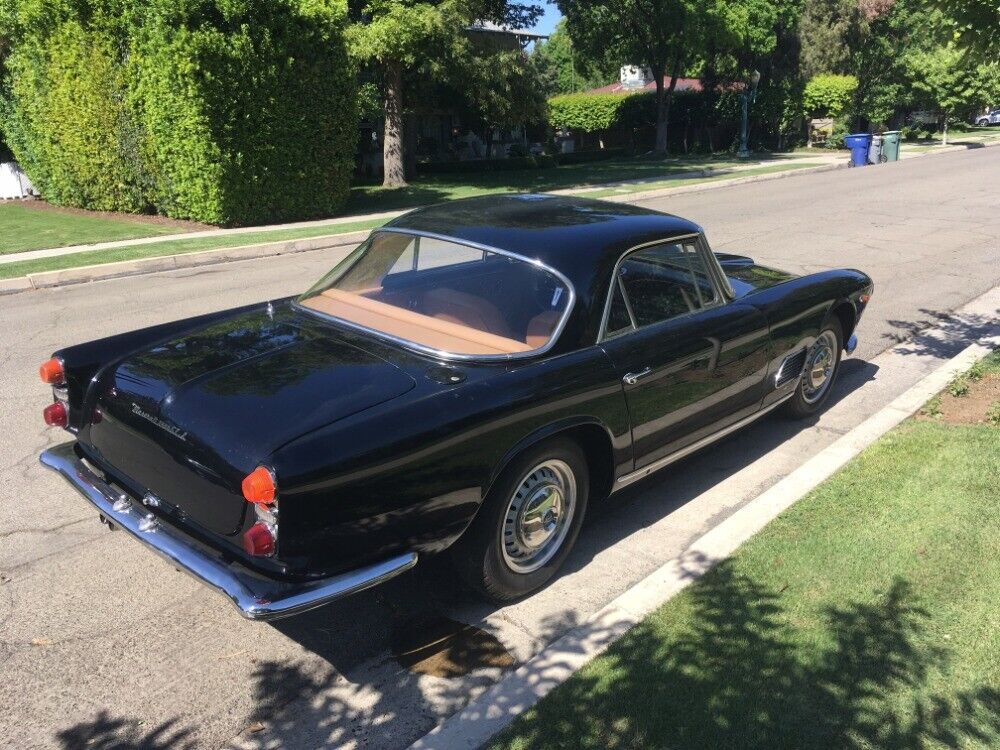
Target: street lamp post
747 98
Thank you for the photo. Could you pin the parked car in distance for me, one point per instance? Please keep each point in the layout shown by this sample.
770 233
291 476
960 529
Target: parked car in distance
990 118
471 378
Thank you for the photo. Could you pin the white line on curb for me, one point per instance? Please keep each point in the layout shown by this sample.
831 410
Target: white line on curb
520 690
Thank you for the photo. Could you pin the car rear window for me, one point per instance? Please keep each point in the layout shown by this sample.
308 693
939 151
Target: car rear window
443 295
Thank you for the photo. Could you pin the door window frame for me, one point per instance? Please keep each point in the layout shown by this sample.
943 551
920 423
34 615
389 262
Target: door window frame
723 292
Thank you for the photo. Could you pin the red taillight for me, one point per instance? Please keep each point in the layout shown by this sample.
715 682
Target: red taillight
258 486
865 299
258 540
55 415
51 372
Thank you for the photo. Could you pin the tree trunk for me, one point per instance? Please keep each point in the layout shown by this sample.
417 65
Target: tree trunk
660 144
664 98
392 143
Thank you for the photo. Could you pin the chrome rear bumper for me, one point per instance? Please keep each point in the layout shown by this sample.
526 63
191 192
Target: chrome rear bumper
256 597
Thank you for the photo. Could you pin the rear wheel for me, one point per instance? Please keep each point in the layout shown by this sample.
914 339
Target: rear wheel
819 373
528 523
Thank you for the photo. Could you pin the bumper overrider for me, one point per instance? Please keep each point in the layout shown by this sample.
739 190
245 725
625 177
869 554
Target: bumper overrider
255 596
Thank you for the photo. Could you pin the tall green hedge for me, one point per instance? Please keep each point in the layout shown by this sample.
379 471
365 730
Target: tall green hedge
66 119
587 113
223 111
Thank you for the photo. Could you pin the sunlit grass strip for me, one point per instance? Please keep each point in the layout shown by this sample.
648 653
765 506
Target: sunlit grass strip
863 617
177 247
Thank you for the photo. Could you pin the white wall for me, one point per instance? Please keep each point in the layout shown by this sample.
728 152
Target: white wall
13 182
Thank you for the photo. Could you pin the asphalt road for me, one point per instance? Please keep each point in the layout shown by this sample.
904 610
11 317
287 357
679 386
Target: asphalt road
100 641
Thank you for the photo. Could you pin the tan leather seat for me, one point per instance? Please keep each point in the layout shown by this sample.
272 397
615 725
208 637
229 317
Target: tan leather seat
465 309
541 327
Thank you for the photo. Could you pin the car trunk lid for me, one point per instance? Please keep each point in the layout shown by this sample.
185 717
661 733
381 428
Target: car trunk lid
188 418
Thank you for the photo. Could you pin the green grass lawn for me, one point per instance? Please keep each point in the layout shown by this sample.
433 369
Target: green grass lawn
867 616
176 247
436 188
28 228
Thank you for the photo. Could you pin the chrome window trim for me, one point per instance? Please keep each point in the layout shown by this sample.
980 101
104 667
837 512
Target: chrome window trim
437 353
723 291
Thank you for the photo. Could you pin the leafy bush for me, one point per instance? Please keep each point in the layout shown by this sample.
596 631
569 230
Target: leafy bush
588 113
517 150
841 128
67 120
223 111
828 95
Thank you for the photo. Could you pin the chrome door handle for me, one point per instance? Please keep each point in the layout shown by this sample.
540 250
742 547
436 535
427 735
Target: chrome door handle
632 378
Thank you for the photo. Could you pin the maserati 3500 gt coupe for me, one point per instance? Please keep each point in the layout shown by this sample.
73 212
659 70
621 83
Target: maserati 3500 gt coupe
469 380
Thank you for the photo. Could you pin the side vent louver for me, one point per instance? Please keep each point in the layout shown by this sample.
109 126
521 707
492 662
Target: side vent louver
790 369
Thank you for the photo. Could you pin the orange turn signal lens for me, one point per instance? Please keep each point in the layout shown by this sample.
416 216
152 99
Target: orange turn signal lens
51 372
258 486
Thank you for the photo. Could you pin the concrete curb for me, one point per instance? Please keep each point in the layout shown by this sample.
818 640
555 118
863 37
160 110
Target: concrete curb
496 708
82 274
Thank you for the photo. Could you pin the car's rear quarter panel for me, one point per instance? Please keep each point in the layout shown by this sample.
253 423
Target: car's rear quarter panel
411 474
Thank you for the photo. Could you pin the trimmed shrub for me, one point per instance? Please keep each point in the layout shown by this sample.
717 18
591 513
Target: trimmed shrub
828 95
248 108
222 111
587 113
67 121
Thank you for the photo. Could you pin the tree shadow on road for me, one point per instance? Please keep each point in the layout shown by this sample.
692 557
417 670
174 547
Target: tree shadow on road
952 332
734 674
106 732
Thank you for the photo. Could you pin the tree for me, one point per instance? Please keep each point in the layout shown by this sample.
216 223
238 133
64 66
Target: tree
823 33
501 88
947 83
666 36
404 37
978 26
562 69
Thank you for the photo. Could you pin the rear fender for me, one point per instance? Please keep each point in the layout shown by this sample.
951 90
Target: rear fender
601 464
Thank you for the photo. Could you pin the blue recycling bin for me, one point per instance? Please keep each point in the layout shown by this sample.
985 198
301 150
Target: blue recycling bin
859 143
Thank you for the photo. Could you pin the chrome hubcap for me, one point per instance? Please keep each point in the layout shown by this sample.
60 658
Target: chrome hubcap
538 516
820 362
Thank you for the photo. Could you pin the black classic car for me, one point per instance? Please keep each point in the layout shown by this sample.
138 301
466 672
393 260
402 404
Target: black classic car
468 379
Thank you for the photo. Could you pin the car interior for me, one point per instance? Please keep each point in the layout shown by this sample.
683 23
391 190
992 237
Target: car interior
488 305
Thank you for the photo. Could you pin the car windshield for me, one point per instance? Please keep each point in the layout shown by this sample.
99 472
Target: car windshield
444 296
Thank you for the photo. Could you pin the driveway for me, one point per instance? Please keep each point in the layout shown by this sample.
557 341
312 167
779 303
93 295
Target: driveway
99 640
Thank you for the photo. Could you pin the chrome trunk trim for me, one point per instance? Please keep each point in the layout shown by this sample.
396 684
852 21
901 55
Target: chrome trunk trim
255 596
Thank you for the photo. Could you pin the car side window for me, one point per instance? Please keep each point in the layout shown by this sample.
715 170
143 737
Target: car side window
619 317
658 283
665 281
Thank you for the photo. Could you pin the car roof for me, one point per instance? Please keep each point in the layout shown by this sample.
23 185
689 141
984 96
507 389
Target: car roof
576 236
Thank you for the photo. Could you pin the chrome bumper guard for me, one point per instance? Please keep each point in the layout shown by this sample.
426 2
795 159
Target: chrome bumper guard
256 597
